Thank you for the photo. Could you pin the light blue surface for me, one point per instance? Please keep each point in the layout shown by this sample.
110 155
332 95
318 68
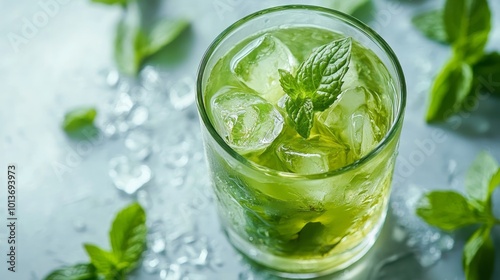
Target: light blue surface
63 64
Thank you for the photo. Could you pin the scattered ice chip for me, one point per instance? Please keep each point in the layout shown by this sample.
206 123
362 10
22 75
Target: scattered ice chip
127 175
182 93
151 263
123 105
139 143
112 78
315 155
246 121
257 66
427 242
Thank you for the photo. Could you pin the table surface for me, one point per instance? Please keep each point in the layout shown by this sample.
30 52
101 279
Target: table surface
66 195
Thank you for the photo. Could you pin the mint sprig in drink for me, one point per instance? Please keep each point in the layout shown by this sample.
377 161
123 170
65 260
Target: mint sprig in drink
302 109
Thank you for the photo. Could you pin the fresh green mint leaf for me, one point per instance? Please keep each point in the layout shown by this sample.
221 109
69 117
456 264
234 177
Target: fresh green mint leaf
129 40
450 89
431 24
479 255
289 84
74 272
317 85
348 7
128 235
468 24
447 210
105 262
301 113
494 183
78 119
162 34
478 179
112 2
320 75
487 73
133 44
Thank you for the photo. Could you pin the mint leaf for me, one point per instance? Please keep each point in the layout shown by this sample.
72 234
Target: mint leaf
78 119
74 272
479 255
289 84
478 179
111 2
128 235
129 40
162 34
135 42
468 23
348 7
317 84
450 89
487 73
300 111
105 262
431 24
447 210
320 75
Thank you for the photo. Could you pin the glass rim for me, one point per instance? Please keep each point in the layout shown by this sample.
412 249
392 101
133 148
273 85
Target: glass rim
359 26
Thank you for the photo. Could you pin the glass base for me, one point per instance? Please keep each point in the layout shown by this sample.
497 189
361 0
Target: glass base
304 269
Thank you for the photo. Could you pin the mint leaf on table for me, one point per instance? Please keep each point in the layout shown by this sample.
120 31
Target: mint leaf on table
112 2
128 235
447 210
134 43
74 272
450 90
479 255
128 241
481 180
78 119
431 24
163 33
317 84
348 7
468 24
105 262
487 72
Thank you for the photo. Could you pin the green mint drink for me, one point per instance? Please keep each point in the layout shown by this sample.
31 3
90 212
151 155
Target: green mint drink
305 184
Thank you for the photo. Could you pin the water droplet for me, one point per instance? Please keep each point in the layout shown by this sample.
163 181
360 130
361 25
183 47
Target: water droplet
127 175
398 234
79 226
151 264
182 93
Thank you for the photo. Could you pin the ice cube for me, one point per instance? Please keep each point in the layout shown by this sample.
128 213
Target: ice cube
257 64
246 121
357 118
315 155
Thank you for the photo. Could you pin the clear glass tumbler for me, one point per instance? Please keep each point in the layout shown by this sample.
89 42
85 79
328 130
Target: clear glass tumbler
301 225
